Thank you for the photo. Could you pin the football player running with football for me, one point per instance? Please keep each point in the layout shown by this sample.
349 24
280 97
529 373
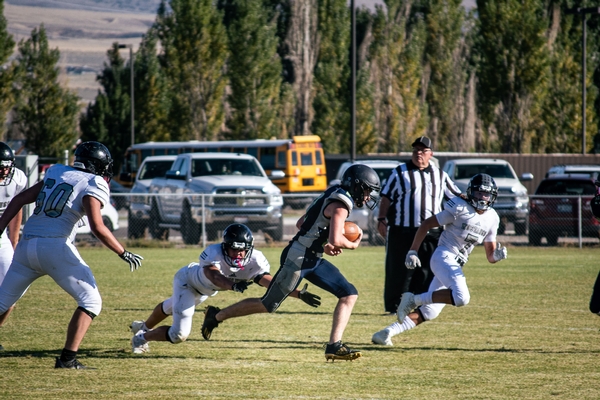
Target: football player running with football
233 265
466 223
46 247
320 231
12 182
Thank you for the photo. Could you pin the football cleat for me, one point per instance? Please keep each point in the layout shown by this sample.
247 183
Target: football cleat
340 351
210 321
137 326
139 345
72 364
382 337
407 304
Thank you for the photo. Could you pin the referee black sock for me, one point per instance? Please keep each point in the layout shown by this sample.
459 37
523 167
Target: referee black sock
67 355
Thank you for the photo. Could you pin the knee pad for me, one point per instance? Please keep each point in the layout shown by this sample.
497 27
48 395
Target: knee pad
176 336
430 311
460 299
91 306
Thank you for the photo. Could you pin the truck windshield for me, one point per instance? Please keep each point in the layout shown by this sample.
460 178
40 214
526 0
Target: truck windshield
217 166
493 170
154 169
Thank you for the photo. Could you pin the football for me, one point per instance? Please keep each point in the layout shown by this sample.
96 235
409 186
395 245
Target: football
351 231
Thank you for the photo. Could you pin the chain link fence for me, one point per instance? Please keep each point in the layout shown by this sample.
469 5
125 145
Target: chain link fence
553 220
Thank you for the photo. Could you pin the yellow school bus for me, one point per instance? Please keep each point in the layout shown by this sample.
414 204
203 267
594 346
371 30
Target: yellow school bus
296 166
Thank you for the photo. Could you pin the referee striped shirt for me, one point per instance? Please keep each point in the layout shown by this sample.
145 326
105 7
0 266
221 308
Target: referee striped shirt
415 194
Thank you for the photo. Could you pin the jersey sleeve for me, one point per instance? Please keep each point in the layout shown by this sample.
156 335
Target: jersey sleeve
262 262
20 181
210 256
98 188
494 222
450 189
342 196
390 183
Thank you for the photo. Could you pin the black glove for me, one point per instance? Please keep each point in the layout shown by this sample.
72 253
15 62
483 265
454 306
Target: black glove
311 299
241 286
134 260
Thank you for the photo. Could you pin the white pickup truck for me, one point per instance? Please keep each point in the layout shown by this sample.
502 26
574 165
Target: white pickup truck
217 189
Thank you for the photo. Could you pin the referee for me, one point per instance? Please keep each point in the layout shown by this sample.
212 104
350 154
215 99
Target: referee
413 192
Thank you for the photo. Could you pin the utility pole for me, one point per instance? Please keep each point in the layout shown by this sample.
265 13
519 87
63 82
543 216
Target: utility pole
583 12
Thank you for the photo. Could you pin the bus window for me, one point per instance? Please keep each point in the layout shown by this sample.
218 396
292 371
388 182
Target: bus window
224 150
319 157
306 158
172 151
294 158
240 150
267 158
145 153
281 159
253 151
132 163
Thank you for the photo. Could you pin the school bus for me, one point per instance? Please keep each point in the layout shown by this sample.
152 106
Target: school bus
301 160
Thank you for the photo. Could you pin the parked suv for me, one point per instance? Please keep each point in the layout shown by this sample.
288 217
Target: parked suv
512 202
573 169
557 205
367 219
139 207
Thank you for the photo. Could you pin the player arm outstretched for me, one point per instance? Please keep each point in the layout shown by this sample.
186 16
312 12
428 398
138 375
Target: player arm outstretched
221 281
92 209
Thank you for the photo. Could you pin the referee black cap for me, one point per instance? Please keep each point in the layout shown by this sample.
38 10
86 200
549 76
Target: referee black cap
423 141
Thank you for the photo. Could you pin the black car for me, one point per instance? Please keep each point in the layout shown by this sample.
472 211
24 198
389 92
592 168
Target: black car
561 207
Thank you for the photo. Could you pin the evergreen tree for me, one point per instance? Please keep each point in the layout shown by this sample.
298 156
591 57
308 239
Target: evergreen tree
45 113
254 71
193 57
7 45
152 99
108 118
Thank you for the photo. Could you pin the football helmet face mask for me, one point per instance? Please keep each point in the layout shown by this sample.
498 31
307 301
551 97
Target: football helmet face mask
237 237
95 158
7 164
363 185
482 192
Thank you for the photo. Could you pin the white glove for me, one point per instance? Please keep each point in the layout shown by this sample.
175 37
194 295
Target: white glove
500 253
412 260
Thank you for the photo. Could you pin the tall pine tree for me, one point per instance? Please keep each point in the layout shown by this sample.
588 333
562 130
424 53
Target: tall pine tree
45 113
7 45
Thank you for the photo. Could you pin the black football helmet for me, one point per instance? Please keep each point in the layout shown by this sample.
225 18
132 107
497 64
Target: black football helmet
357 179
237 237
482 183
95 158
7 164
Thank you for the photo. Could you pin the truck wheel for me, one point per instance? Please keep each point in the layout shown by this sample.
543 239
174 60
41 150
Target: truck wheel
520 228
190 230
535 238
155 230
277 233
135 228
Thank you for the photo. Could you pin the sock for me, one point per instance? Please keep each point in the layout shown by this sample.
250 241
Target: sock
424 298
67 355
397 328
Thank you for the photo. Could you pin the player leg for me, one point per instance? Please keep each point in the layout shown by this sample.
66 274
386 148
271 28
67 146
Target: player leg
328 277
397 276
595 299
6 256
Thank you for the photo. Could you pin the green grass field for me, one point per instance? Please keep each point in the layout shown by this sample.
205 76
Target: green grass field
527 334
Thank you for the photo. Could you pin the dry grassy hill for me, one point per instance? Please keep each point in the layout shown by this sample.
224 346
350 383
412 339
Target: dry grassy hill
81 32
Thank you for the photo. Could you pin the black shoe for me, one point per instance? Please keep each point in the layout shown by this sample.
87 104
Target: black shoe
210 321
72 364
1 348
340 351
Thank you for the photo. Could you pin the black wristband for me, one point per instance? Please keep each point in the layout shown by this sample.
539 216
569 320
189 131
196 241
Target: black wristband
381 219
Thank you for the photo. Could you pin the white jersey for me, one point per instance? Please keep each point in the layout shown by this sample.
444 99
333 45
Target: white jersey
213 255
464 228
17 184
59 206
